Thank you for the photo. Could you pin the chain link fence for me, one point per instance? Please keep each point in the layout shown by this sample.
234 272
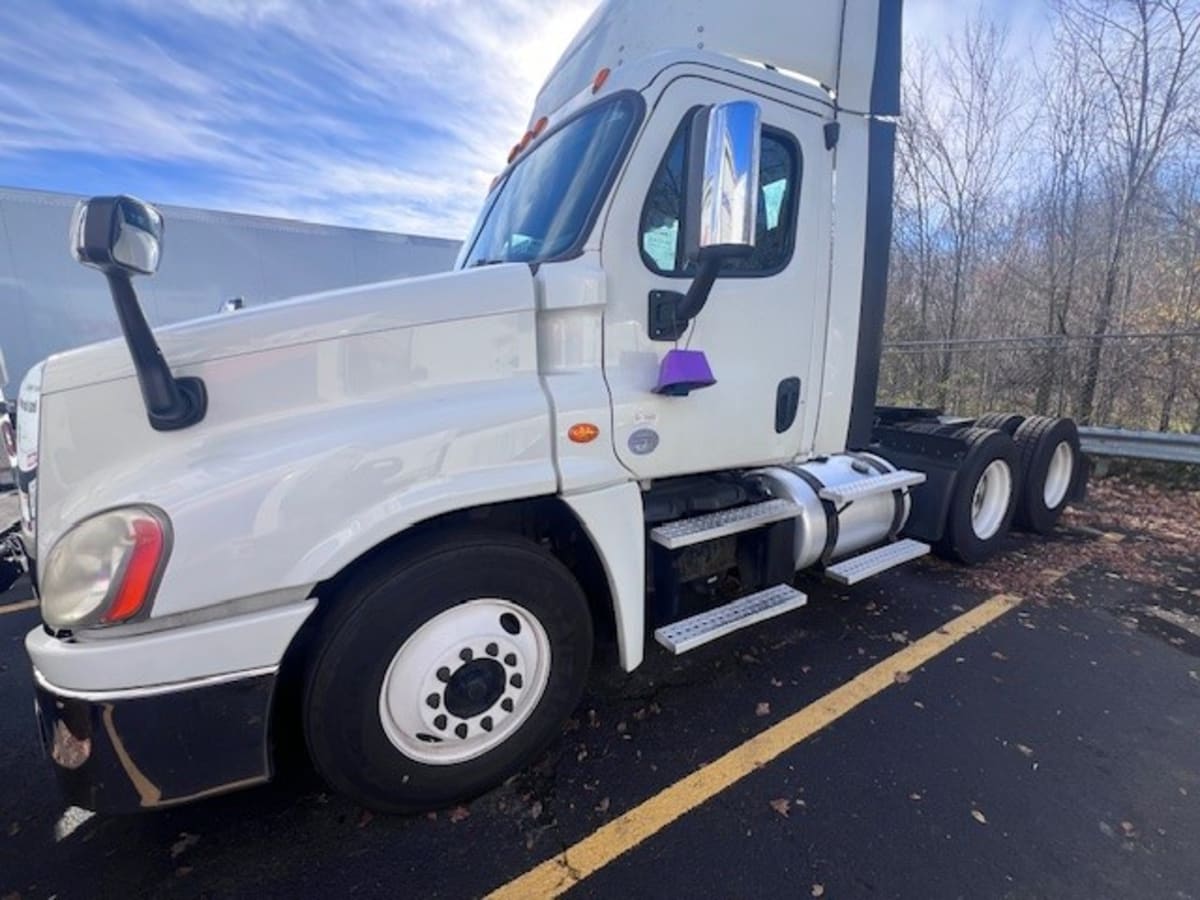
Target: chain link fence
1146 381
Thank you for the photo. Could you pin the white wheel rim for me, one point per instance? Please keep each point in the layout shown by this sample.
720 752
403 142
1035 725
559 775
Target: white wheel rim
464 681
1058 476
990 501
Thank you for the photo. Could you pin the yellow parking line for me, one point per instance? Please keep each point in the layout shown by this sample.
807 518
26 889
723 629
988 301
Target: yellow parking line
17 607
562 872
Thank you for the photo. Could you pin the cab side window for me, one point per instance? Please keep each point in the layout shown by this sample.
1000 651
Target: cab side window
775 235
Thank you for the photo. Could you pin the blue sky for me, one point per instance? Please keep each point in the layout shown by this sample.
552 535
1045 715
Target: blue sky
391 115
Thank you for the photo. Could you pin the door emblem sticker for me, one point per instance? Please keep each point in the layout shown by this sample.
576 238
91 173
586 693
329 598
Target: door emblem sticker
643 441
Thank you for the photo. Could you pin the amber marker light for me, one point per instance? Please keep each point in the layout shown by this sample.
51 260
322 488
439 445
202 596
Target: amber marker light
583 432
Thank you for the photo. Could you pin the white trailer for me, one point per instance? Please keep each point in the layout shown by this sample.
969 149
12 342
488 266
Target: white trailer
397 517
48 303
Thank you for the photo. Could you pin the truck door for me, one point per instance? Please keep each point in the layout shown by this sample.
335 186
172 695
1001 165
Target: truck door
762 328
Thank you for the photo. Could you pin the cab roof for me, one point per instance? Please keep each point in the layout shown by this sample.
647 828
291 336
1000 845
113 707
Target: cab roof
850 47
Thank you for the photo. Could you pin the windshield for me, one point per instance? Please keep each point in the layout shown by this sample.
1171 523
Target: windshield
546 201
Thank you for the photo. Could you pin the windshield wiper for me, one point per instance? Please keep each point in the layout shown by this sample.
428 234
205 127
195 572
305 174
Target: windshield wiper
487 262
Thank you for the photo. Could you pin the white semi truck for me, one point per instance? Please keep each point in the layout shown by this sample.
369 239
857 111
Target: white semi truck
396 518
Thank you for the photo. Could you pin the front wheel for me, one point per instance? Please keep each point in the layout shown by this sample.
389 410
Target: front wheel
438 676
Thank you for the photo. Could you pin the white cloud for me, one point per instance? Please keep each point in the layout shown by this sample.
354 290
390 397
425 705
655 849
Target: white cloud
389 115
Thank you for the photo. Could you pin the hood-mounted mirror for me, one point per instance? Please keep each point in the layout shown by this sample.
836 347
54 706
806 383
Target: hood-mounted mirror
122 236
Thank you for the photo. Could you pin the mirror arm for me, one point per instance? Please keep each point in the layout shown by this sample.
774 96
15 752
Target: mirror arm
171 403
697 295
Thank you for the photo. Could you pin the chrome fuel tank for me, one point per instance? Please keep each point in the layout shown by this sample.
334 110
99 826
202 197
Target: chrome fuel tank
825 533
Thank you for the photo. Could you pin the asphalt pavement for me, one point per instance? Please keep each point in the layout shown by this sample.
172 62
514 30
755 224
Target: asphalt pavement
1055 752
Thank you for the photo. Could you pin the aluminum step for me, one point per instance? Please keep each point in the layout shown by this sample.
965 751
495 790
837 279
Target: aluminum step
869 487
688 634
697 529
866 565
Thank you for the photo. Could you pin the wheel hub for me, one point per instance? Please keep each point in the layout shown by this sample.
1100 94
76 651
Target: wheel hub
1058 475
474 688
464 681
990 500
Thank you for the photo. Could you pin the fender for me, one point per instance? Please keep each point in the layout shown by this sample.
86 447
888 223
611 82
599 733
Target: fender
613 519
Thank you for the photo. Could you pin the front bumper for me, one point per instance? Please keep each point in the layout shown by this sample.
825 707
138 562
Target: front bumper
125 751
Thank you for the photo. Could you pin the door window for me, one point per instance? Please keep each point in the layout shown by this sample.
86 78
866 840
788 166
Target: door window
775 234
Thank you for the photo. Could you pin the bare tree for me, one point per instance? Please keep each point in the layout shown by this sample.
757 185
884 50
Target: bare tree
1141 55
1068 131
960 137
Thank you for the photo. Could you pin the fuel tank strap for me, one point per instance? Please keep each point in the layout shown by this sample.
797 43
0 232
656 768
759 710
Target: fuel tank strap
831 513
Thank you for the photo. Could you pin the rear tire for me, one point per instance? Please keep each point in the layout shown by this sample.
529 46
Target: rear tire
1006 422
440 673
1050 468
984 498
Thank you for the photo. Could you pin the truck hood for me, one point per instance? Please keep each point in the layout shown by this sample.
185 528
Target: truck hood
387 305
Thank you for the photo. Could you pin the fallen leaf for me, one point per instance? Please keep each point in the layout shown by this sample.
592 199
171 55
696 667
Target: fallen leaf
903 677
781 805
1128 828
621 726
978 817
365 819
900 637
818 890
1028 751
775 682
915 796
603 805
918 704
535 810
762 709
14 829
996 654
185 841
458 814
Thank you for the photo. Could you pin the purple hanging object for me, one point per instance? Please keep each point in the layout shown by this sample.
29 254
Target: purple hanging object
683 371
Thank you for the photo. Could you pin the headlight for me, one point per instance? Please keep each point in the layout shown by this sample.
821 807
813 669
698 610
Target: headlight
105 570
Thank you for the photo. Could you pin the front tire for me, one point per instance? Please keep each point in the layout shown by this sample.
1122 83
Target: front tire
442 673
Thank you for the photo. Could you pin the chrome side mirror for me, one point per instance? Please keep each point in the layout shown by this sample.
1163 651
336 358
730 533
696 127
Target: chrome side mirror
117 233
723 176
720 211
122 237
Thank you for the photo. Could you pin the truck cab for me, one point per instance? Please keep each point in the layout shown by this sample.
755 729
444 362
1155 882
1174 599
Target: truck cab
394 519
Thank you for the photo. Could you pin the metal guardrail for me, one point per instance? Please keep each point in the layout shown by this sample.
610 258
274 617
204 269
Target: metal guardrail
1157 445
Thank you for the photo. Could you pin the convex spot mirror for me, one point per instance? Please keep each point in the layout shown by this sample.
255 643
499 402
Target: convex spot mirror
723 174
117 234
